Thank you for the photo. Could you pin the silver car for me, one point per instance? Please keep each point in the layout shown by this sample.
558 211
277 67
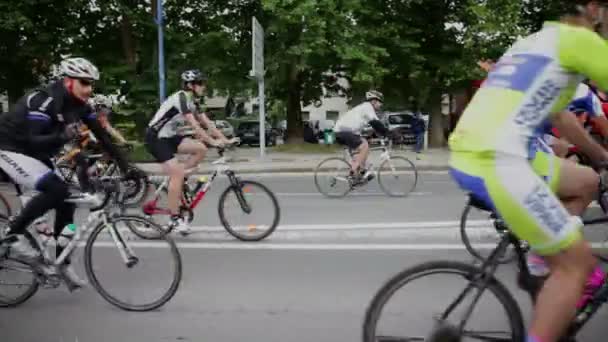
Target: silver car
225 127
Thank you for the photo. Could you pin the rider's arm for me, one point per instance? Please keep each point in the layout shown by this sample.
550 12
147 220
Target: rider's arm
591 63
39 121
199 131
379 127
105 123
105 141
601 123
216 133
573 131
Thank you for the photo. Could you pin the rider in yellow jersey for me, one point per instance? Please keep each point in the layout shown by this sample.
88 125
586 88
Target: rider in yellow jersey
494 153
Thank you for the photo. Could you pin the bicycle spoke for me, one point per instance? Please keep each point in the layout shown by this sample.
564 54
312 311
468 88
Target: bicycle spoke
481 335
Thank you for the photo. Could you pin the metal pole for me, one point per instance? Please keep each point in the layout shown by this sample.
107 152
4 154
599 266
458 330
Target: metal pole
262 107
161 50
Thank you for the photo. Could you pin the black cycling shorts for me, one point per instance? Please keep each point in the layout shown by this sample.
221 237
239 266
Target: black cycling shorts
162 149
349 139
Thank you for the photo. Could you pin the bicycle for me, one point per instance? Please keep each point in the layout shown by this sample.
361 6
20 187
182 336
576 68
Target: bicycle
480 278
102 166
397 168
110 221
244 192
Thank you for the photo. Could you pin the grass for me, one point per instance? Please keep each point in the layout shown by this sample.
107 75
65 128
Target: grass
306 148
140 154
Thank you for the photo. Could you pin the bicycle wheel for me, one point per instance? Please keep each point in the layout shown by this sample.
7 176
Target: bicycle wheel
19 276
466 273
255 205
142 291
483 227
397 176
157 210
332 177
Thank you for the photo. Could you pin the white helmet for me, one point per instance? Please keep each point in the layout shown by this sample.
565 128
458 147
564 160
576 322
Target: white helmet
374 95
79 68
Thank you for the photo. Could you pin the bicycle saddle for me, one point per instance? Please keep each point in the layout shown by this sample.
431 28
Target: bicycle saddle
479 203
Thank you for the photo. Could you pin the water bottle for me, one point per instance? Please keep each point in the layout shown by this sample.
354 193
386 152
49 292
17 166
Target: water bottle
66 235
199 183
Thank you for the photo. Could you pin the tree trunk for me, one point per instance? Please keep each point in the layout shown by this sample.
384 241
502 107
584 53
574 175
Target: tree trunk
436 134
295 131
126 34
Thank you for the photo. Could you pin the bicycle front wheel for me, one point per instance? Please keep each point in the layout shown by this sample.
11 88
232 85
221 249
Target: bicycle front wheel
18 282
253 210
397 176
134 275
332 177
405 313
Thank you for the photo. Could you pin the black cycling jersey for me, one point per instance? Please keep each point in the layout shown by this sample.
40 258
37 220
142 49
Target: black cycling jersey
36 126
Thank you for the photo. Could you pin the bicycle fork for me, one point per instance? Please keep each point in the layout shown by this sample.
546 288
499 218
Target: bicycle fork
125 251
237 187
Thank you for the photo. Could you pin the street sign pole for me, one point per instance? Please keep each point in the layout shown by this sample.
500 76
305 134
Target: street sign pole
161 51
257 72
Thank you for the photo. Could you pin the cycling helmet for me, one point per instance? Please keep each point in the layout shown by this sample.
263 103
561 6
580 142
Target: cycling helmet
374 95
79 68
193 75
102 101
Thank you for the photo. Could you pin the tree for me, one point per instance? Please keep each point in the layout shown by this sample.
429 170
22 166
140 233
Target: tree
306 38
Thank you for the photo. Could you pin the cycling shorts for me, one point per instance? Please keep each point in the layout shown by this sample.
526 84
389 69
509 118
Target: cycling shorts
522 192
162 149
349 139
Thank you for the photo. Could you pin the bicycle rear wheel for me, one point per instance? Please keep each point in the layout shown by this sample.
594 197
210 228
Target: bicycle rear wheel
332 177
18 282
245 207
396 315
146 280
397 176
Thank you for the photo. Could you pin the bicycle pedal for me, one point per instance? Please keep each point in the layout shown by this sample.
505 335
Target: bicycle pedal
132 262
51 282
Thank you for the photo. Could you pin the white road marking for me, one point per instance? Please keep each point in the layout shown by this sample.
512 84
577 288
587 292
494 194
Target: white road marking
304 246
356 194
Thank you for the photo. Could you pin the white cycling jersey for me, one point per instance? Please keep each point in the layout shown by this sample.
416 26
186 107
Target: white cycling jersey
356 119
169 118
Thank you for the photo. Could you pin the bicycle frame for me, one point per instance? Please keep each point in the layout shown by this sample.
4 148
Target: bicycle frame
385 155
189 200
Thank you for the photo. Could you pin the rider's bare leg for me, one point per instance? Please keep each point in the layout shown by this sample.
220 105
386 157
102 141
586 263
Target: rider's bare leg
578 187
361 157
195 149
176 172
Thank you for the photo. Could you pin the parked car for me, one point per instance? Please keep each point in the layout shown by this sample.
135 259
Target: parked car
249 133
401 122
225 127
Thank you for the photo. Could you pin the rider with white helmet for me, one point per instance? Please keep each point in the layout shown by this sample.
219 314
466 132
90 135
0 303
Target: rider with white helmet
349 126
33 132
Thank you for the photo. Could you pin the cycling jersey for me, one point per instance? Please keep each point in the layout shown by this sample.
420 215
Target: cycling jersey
170 116
495 138
356 119
35 127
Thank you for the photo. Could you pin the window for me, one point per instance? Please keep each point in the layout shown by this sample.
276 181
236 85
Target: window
332 115
400 119
305 116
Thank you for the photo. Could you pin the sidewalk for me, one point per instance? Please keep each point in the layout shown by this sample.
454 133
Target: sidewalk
247 160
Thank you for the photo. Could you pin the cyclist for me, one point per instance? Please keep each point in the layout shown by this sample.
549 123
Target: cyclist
587 107
164 141
32 133
348 131
491 156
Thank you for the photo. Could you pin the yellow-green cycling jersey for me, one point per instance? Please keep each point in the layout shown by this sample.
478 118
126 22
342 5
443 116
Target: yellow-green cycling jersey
496 138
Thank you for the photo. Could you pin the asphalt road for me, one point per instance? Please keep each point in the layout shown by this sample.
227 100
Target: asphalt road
310 281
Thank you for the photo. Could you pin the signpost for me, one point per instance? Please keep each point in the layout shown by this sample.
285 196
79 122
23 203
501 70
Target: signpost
257 72
161 50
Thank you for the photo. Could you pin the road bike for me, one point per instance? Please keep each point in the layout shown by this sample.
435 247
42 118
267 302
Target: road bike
109 229
478 280
397 175
245 198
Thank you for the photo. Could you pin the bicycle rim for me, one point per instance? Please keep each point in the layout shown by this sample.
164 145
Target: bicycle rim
5 208
147 254
19 275
255 196
397 176
371 333
482 228
331 177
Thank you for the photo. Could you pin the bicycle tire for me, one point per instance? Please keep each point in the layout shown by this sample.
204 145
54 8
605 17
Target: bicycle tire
177 276
387 189
30 290
228 227
505 259
395 283
316 178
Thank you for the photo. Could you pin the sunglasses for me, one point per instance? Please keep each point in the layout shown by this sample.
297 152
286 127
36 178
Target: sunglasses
85 82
